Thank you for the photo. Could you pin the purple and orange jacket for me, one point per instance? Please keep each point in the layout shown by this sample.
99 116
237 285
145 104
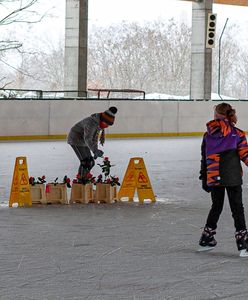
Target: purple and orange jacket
223 148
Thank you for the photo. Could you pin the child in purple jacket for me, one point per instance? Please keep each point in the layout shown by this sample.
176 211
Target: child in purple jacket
223 148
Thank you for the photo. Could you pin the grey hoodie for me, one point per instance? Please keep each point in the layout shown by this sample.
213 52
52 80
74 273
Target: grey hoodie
85 133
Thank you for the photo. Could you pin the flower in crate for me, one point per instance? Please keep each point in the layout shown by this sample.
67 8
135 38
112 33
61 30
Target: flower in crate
40 180
88 178
114 181
108 180
66 180
32 181
55 182
99 179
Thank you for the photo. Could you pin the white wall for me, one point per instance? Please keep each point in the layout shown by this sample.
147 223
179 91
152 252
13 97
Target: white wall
55 117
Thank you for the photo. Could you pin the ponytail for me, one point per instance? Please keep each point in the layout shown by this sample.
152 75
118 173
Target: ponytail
226 110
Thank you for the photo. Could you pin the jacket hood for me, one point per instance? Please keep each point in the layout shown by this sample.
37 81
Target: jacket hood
219 127
96 117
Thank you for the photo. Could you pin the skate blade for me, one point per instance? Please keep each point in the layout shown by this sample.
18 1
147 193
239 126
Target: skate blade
205 248
243 253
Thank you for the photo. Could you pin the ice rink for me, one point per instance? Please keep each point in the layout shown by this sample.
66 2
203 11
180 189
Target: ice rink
123 250
172 163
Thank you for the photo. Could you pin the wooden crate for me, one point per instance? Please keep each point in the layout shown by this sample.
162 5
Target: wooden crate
81 193
56 193
38 194
106 193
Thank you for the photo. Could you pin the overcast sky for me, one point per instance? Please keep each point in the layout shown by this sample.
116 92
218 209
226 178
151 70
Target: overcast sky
105 12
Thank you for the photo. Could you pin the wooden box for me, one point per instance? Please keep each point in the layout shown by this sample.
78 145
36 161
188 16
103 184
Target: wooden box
106 193
81 193
38 194
56 193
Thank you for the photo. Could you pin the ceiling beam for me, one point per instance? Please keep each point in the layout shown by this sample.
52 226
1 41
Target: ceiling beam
228 2
232 2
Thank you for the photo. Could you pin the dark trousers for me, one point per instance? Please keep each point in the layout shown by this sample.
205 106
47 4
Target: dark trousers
86 160
235 200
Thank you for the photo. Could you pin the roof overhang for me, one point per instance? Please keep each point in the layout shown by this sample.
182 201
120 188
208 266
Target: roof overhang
228 2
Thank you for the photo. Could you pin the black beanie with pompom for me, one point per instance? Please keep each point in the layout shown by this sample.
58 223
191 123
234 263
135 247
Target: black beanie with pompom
108 116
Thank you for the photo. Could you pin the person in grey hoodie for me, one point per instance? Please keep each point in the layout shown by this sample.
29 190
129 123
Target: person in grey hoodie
83 138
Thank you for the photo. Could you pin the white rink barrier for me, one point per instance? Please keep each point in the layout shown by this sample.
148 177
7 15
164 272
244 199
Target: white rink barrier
54 118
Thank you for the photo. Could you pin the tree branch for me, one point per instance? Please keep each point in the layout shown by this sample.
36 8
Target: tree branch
9 45
10 18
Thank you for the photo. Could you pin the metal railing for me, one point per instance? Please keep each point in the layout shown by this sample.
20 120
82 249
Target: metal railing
72 94
97 94
113 92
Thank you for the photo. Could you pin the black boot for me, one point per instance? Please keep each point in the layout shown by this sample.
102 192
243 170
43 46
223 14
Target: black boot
85 166
242 242
207 240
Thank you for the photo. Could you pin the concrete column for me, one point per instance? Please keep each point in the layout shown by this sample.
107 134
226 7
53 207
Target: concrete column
201 57
76 46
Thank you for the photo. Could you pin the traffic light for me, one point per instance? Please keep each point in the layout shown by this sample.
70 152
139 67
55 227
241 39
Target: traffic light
211 30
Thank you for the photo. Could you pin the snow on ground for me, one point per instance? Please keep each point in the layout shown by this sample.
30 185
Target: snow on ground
157 96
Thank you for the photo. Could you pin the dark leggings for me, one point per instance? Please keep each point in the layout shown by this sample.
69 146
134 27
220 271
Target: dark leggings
235 200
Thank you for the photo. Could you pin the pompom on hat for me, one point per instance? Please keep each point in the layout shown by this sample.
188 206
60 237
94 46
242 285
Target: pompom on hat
108 116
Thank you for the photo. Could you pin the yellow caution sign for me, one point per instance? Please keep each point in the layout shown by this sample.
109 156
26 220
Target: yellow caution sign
20 189
136 177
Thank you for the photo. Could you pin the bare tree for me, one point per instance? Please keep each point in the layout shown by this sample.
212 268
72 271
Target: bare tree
42 69
232 65
15 12
241 87
154 57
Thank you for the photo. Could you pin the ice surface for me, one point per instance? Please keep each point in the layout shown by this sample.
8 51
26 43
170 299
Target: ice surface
121 251
172 163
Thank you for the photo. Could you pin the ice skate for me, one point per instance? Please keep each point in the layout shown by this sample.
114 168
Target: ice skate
242 242
205 248
243 253
207 241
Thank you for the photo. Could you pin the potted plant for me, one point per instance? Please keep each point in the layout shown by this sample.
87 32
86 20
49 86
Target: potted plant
82 189
106 184
56 192
37 189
